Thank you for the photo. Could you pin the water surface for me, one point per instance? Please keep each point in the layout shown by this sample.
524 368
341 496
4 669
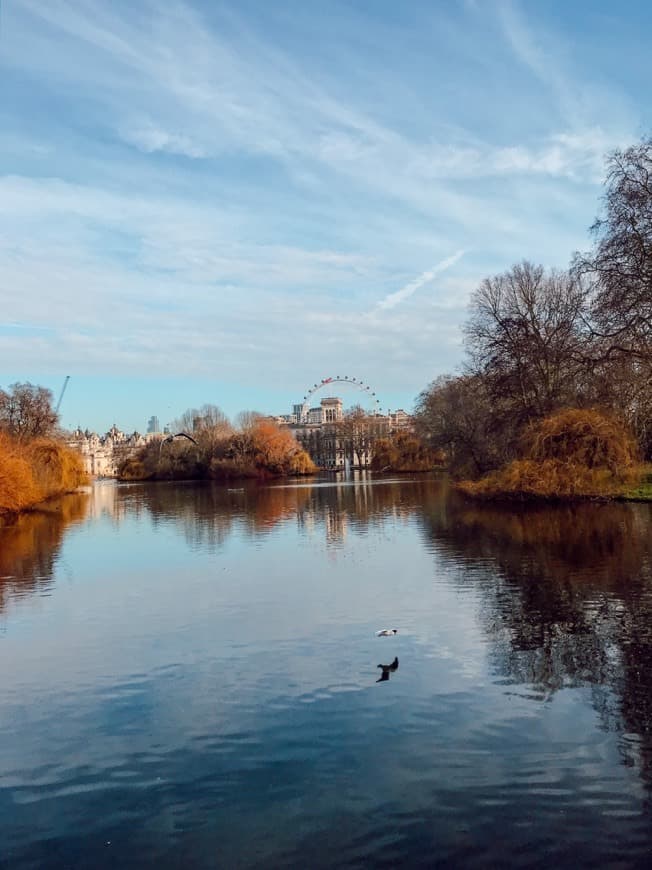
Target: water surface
189 678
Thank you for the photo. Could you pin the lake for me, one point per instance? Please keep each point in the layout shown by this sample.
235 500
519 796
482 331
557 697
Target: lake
190 678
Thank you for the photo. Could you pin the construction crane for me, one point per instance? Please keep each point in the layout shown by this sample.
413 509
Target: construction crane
63 390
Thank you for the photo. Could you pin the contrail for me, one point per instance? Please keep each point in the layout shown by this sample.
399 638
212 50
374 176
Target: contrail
407 291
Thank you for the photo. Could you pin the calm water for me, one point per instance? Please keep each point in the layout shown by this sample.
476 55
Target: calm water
189 678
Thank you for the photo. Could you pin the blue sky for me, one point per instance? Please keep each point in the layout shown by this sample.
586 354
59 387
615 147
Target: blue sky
228 201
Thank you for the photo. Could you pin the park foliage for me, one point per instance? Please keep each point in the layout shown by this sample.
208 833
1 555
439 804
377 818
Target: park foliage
404 452
32 471
555 395
35 464
257 448
573 453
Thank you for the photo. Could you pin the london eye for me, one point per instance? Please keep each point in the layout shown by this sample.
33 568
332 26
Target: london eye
356 383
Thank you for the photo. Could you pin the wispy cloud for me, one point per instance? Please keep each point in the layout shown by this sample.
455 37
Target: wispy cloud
405 292
149 137
286 169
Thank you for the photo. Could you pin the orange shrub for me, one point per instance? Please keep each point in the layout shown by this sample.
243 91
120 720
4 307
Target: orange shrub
405 451
276 451
34 471
17 486
583 437
56 468
574 453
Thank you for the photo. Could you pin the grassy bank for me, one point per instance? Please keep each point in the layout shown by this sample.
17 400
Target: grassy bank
642 491
34 471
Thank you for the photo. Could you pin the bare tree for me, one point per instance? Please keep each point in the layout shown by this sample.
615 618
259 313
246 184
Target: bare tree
524 337
207 417
459 416
623 383
247 419
26 411
357 433
619 269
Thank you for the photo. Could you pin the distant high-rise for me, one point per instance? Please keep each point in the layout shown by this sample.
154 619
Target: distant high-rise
153 425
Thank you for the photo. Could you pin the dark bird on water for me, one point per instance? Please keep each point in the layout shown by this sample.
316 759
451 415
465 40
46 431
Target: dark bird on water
387 669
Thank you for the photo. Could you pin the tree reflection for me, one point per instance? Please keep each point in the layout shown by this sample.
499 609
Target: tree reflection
30 546
567 594
208 514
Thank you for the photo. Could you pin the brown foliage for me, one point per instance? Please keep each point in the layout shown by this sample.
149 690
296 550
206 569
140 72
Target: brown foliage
17 485
55 467
459 416
260 449
574 453
133 468
33 472
405 451
264 449
583 437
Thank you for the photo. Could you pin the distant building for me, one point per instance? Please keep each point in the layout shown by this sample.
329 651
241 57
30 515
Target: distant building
153 426
103 454
332 410
400 420
334 441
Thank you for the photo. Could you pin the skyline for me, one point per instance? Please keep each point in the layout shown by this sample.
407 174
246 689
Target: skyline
235 200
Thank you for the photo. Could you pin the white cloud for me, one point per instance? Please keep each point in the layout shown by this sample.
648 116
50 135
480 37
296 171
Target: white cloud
149 138
405 292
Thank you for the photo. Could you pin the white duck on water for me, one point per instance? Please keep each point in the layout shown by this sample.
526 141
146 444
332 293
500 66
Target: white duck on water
387 632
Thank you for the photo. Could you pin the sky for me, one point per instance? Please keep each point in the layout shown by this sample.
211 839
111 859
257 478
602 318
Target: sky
226 202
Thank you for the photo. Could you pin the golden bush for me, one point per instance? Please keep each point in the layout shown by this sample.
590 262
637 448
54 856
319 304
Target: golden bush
18 488
573 453
35 471
583 437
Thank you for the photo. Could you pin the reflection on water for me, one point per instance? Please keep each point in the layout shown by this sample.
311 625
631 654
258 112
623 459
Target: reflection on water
30 545
386 670
567 603
189 679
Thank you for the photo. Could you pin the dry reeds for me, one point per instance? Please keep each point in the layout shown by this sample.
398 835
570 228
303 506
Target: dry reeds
574 453
33 472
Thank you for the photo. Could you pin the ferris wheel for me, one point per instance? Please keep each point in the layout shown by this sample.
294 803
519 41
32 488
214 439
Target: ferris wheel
356 383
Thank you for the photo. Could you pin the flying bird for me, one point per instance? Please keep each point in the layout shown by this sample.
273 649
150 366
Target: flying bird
387 632
171 438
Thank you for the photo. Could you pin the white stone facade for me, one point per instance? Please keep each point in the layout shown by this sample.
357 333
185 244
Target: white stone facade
103 454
